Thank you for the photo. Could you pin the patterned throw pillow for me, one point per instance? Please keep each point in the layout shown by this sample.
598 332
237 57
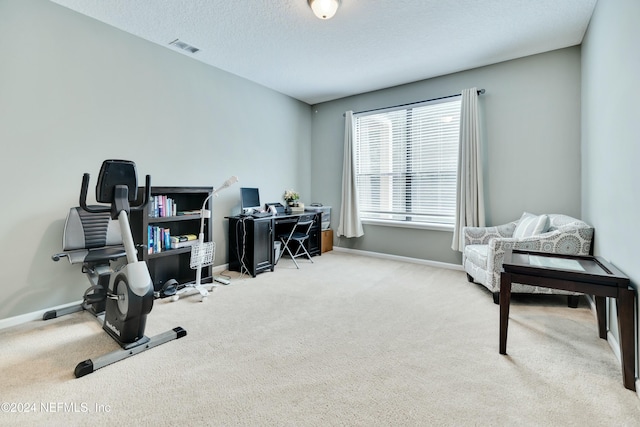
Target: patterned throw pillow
531 225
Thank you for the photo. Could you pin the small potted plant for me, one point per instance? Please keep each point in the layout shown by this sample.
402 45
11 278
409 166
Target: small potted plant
291 197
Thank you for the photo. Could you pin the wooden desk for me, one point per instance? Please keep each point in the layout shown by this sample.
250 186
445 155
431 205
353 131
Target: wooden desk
586 274
251 248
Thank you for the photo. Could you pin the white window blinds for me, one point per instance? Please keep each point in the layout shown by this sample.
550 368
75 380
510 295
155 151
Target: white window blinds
406 162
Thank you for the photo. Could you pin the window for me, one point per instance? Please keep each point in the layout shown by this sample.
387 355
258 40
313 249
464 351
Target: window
406 162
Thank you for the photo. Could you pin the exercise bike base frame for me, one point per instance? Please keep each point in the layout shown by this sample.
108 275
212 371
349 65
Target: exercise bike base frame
91 365
53 314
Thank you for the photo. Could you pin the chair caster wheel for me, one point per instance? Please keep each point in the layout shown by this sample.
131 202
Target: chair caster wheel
203 299
175 298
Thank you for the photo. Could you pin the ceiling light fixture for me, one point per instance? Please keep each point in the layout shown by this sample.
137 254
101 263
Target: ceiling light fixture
324 9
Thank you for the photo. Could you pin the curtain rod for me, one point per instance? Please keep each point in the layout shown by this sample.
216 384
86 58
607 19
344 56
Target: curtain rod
480 92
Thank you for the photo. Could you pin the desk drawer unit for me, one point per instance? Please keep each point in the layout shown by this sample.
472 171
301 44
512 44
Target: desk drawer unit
325 212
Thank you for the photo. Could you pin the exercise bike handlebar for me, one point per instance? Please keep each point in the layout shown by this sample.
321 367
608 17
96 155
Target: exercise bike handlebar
96 209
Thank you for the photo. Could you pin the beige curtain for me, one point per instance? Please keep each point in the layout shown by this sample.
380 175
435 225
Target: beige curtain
469 192
350 225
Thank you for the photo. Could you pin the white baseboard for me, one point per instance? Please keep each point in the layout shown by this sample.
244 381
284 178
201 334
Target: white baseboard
400 258
611 339
219 268
37 315
615 345
34 315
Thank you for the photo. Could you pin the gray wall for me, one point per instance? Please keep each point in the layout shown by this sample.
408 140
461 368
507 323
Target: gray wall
611 135
74 91
531 137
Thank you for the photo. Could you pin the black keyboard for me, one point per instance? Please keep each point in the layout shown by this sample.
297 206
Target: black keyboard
261 214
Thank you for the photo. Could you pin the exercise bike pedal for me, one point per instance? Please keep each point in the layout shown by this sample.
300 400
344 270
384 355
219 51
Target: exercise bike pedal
94 295
169 289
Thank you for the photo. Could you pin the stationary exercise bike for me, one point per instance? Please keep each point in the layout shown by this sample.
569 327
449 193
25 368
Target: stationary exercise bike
120 298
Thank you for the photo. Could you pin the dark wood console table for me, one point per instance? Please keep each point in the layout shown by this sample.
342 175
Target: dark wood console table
587 274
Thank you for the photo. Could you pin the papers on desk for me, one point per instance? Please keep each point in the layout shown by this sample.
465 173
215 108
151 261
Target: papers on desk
550 262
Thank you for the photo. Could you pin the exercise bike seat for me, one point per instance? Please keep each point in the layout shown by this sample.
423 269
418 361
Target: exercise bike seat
90 238
93 255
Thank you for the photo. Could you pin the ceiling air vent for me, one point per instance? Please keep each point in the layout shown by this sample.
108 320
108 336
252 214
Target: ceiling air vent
184 46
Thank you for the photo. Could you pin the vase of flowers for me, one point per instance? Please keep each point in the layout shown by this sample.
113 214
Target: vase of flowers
291 197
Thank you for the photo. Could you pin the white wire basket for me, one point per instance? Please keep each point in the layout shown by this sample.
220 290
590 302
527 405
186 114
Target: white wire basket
202 254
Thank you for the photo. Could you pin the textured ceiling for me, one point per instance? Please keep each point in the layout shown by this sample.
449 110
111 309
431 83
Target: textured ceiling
368 45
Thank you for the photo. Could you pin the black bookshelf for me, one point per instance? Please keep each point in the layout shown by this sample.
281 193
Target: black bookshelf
165 264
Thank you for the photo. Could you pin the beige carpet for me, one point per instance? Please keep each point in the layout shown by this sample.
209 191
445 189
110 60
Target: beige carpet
347 340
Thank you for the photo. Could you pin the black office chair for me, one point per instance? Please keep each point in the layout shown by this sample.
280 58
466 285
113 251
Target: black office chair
294 241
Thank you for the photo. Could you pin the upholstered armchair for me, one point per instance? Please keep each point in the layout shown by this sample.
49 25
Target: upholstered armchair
554 233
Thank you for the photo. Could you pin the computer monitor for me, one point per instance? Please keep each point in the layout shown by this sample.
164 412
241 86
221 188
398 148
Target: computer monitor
250 199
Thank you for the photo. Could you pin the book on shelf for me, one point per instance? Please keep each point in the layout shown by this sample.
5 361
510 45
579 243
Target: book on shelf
183 241
159 239
167 238
184 244
191 212
150 241
183 238
161 206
